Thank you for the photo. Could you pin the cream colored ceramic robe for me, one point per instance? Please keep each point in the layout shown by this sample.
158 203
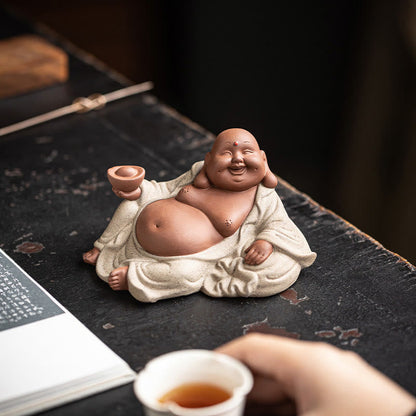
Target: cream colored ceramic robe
218 271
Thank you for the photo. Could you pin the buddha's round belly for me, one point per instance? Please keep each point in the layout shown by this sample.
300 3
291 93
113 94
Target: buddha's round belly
171 228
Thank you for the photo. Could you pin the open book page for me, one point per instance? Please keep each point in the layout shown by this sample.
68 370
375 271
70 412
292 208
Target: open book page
47 356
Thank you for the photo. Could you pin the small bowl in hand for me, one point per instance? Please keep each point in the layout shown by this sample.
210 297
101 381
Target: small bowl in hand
126 178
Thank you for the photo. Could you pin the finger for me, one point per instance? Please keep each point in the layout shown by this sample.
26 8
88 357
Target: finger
257 259
131 196
248 261
279 358
250 256
248 249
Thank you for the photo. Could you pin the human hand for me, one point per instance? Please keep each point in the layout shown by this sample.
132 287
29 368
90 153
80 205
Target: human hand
131 196
316 379
258 252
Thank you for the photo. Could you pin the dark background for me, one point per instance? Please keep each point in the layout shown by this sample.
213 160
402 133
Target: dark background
328 88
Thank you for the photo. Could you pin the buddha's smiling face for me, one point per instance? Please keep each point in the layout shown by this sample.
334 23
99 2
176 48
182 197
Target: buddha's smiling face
235 162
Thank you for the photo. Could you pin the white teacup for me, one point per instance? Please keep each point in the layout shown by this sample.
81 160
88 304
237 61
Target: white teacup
175 369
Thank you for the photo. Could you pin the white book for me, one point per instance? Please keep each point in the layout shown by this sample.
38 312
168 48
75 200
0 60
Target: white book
47 357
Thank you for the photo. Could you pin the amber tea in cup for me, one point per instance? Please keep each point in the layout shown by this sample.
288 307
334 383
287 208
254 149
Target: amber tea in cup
193 383
194 395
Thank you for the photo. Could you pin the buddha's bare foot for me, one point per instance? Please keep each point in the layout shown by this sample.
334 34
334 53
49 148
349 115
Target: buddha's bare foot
118 278
91 256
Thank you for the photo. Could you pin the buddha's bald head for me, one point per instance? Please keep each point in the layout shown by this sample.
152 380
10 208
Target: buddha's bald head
235 162
236 137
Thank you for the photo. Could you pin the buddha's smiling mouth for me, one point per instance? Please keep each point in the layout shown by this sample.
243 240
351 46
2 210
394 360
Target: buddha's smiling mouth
237 170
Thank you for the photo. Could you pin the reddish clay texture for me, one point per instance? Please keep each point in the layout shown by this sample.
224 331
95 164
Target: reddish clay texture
326 334
348 333
126 178
28 247
126 171
345 334
292 296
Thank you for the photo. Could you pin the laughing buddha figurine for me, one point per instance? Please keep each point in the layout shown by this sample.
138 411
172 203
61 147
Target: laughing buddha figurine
219 228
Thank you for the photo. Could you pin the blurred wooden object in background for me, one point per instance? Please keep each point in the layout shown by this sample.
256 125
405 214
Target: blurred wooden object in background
28 62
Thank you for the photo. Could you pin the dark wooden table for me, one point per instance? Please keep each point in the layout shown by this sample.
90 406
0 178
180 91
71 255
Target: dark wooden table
54 194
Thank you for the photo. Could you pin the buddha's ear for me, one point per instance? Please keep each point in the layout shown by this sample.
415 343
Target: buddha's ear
269 180
201 180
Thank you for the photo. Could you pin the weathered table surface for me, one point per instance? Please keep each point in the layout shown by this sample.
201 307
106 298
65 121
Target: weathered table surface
54 194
